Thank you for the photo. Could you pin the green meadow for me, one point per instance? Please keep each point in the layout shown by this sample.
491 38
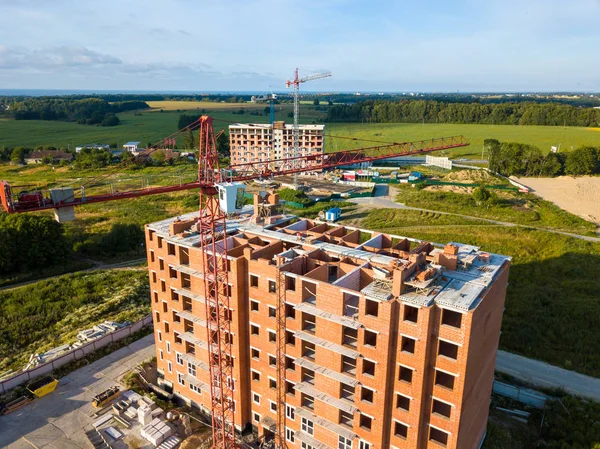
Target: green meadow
153 125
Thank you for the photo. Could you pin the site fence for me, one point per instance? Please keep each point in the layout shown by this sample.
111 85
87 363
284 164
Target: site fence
73 354
523 395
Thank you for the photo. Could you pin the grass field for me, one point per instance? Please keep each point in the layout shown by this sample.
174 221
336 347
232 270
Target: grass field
541 136
153 125
195 105
49 313
145 126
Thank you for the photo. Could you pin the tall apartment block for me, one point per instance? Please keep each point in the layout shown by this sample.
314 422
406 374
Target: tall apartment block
391 342
262 143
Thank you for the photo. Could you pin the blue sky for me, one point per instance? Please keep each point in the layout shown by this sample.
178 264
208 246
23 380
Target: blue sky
235 45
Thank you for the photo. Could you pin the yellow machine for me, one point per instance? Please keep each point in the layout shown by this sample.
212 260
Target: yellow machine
43 386
105 397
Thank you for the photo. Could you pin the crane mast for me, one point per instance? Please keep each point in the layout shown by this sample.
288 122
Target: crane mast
296 129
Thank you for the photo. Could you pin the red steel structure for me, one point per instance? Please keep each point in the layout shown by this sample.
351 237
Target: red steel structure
211 226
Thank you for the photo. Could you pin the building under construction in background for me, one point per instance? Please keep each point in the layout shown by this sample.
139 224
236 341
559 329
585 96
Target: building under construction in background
261 143
340 337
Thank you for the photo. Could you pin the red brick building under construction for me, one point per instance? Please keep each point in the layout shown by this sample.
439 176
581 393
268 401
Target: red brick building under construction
390 342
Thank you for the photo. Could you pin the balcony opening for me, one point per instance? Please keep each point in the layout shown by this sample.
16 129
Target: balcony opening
272 384
350 337
451 318
408 345
253 281
347 392
351 305
368 367
255 376
176 317
444 380
308 323
272 287
308 350
272 312
272 337
188 326
254 306
161 264
411 314
174 296
272 361
441 408
371 307
308 376
447 349
348 365
186 281
254 330
184 258
308 401
402 402
370 339
170 249
172 273
187 304
255 353
406 374
400 430
346 419
438 436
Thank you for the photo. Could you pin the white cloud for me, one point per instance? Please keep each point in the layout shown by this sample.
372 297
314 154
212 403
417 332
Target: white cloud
53 57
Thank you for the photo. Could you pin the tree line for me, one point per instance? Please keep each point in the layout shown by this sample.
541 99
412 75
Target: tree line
510 158
431 111
89 111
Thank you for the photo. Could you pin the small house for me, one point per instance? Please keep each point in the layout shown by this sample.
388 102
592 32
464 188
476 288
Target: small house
37 157
132 147
333 214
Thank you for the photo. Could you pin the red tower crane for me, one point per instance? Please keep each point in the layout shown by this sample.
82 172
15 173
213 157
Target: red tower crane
211 227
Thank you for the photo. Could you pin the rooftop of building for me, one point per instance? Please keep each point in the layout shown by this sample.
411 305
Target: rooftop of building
379 266
269 126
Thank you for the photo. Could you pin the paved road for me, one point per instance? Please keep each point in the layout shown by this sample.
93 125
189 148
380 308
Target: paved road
59 420
379 202
99 266
542 374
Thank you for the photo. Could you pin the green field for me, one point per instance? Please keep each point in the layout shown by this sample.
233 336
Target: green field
145 126
151 126
541 136
50 313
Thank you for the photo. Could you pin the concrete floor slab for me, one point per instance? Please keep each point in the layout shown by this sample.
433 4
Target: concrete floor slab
72 422
44 435
20 444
